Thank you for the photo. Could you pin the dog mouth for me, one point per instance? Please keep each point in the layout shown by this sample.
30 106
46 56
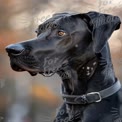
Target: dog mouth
33 66
32 72
20 66
25 63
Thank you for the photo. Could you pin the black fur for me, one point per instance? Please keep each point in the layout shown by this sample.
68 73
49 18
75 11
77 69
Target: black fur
85 38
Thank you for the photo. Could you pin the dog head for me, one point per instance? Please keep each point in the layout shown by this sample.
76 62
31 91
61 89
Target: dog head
60 40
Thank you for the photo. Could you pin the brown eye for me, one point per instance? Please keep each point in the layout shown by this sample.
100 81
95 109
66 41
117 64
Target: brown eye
61 33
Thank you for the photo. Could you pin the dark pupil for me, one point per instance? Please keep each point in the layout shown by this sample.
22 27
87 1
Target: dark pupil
54 26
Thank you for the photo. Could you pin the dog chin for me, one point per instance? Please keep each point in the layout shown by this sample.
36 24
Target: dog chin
18 68
32 72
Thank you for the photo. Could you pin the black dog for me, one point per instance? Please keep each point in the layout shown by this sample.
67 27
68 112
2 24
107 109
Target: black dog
75 46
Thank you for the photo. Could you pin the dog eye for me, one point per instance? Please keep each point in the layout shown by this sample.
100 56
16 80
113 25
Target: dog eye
54 26
61 33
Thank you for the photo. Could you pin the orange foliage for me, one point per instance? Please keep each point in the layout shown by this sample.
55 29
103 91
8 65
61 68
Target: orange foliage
44 94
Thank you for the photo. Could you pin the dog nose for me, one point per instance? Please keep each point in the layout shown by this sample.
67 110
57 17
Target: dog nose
15 49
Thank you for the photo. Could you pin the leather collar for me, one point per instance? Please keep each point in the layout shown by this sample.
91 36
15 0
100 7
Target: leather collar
92 97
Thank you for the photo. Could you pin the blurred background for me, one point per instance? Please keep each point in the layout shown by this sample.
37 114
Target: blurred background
35 99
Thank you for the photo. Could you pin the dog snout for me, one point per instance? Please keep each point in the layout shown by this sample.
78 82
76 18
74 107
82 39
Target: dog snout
15 49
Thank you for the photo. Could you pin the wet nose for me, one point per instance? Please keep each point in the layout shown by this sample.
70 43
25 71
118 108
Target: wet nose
15 49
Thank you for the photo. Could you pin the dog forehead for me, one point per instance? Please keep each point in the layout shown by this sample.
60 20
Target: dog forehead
62 21
66 19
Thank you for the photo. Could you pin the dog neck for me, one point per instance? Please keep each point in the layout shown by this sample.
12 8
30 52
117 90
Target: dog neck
75 80
78 80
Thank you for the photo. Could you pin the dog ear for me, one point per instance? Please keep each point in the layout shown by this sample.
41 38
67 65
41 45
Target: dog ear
101 26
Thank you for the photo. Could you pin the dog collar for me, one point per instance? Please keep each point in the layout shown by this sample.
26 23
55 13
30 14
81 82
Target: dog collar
92 97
